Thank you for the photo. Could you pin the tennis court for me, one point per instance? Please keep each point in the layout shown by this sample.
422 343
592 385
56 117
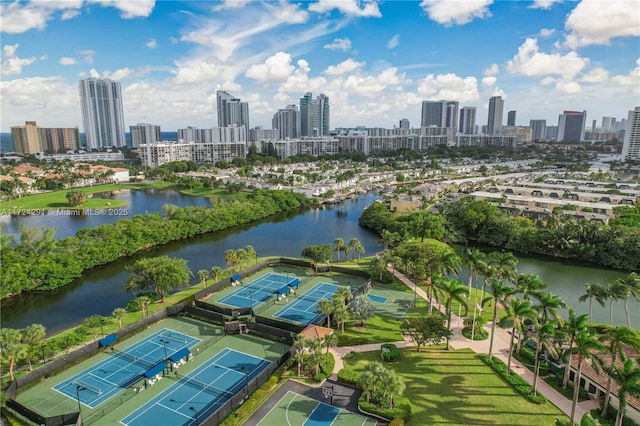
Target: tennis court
202 392
105 379
304 308
295 409
390 301
260 290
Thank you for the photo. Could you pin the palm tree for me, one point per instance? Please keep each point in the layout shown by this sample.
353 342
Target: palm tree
615 291
628 378
615 338
530 285
518 310
118 314
339 242
505 264
250 252
586 343
230 256
203 274
545 335
330 340
299 346
142 302
325 307
572 326
343 294
216 271
447 263
394 385
453 290
548 305
355 244
499 292
629 287
593 291
11 347
31 336
472 258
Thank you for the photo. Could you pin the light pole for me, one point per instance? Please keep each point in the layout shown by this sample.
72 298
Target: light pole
192 408
44 360
246 379
287 272
78 389
166 360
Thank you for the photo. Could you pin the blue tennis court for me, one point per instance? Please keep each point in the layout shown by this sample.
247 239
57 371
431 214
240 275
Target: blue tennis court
377 299
100 382
304 308
260 290
203 391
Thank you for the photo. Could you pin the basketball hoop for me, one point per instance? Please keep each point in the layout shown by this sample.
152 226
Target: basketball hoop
327 392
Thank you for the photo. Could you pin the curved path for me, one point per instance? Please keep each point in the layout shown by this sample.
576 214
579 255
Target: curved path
458 341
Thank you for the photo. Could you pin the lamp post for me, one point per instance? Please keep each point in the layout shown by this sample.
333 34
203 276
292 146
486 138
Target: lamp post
246 379
192 408
44 360
78 389
166 360
287 272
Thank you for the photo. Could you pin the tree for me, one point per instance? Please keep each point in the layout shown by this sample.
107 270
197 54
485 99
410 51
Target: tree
118 314
446 263
548 305
356 247
615 338
299 346
203 274
162 274
505 264
628 378
330 340
362 308
92 325
314 358
499 292
586 344
453 290
472 258
372 378
11 347
340 313
393 384
545 339
519 311
216 271
31 337
37 240
425 224
231 256
339 242
593 291
615 291
422 330
629 286
142 302
325 307
571 327
76 198
317 254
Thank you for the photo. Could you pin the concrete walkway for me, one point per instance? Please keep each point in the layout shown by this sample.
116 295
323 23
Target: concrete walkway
458 341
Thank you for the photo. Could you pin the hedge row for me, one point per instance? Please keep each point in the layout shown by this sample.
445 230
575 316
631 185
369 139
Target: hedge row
392 355
400 410
518 383
348 377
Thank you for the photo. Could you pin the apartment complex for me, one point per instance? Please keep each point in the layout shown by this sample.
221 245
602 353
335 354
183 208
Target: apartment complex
631 144
102 113
31 138
231 110
143 133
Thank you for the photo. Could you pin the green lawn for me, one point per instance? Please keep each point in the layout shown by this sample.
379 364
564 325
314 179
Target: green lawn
221 193
456 387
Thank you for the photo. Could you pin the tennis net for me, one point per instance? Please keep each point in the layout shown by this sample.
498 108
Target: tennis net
133 359
180 340
205 387
314 299
84 385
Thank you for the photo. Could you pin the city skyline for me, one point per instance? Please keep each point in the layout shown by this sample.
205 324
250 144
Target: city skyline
376 61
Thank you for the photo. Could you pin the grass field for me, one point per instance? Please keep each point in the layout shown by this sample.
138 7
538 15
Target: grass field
456 387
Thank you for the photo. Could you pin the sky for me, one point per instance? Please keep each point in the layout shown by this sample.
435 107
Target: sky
375 60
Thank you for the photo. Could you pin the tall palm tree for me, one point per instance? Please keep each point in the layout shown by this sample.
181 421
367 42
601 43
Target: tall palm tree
505 264
545 336
628 378
299 346
325 307
453 290
629 287
519 311
231 256
548 305
586 345
593 291
31 337
615 338
203 274
530 285
472 258
216 271
448 262
571 327
118 314
499 292
330 340
11 347
339 242
615 291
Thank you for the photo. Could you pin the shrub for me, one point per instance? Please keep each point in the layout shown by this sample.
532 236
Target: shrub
327 365
391 353
401 408
481 334
348 377
518 383
397 422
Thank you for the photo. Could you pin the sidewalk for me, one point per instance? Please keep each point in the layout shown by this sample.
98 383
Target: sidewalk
501 342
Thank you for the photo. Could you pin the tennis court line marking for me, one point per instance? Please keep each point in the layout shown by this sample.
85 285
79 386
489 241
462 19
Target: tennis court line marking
286 413
61 402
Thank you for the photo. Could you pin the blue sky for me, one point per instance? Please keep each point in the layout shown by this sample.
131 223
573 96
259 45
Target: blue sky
376 60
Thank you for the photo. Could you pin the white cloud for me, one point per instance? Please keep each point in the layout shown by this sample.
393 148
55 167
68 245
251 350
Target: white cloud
232 4
544 4
597 22
491 71
290 14
93 73
596 75
12 64
394 42
630 81
129 9
339 44
299 80
65 60
16 18
348 7
568 86
529 61
372 85
456 12
546 32
449 86
87 55
344 67
152 44
202 70
276 68
489 81
69 14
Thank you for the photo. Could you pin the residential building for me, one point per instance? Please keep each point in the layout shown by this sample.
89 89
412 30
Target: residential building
230 134
258 134
524 134
31 138
538 129
159 153
593 126
434 113
102 113
27 139
143 133
511 118
320 116
404 123
494 122
451 119
571 126
551 133
510 141
467 120
287 122
631 144
608 124
306 115
231 110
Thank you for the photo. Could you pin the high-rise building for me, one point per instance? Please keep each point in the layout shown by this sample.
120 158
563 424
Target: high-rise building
404 123
551 133
434 113
511 118
143 133
451 119
31 138
631 144
287 121
102 112
231 111
320 116
538 129
593 126
467 120
608 124
306 114
571 126
494 122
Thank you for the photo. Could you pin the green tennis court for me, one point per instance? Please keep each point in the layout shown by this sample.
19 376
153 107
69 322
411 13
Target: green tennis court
295 409
391 302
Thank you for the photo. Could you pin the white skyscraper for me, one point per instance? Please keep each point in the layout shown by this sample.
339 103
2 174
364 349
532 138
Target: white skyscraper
287 122
143 133
467 120
496 111
102 113
231 111
631 145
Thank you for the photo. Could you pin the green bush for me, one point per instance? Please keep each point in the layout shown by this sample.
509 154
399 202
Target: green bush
327 365
527 356
401 408
393 352
397 422
518 383
481 334
348 377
